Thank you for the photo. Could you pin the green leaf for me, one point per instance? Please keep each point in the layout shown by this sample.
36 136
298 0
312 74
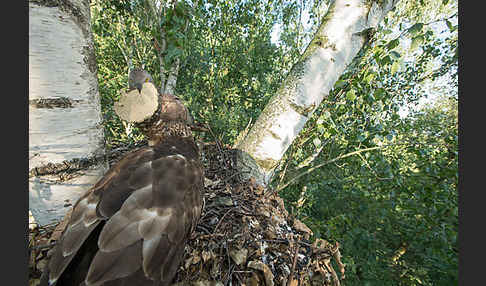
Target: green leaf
326 114
444 2
416 42
415 28
395 66
369 78
351 95
449 25
393 44
361 137
340 83
395 55
386 60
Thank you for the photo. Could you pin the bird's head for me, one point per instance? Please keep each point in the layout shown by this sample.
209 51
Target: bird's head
137 78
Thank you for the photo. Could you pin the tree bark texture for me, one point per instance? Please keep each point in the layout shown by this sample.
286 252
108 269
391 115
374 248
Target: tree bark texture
339 38
64 109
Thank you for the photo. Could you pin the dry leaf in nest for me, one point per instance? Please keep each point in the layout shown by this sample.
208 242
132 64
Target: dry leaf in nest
137 106
255 280
267 273
270 233
193 259
196 259
299 226
255 187
294 283
215 268
263 211
225 201
187 263
239 256
207 255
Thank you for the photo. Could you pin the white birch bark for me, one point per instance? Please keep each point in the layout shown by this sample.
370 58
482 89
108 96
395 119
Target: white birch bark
62 65
337 41
170 85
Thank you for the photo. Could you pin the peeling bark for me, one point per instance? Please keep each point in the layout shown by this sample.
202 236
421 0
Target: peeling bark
342 34
64 104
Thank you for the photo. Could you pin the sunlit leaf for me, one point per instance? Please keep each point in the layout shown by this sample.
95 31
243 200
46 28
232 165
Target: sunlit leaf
393 44
395 55
449 25
416 42
351 95
369 78
415 28
340 83
395 66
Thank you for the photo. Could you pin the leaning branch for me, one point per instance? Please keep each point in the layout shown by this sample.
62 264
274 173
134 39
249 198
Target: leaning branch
357 152
310 170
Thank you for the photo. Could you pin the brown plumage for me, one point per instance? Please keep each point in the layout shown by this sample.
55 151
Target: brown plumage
131 227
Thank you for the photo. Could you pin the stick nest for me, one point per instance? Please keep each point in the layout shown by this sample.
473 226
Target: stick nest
245 236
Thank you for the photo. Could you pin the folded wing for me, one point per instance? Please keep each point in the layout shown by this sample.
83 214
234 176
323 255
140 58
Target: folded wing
143 211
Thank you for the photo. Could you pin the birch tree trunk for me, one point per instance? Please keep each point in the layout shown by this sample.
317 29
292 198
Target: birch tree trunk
64 108
168 77
339 38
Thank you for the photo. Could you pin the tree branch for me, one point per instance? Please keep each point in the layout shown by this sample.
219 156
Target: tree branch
325 163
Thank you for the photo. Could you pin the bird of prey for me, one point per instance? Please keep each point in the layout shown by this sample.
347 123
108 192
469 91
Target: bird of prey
131 227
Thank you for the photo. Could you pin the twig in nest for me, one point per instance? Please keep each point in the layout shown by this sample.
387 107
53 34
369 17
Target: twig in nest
198 127
284 241
335 279
247 214
216 140
221 220
294 263
230 177
202 229
337 255
238 276
203 236
230 267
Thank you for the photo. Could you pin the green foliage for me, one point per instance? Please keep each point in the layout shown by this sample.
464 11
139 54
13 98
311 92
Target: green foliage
232 68
394 210
375 203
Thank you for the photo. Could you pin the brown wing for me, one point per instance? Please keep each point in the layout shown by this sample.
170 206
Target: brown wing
150 201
